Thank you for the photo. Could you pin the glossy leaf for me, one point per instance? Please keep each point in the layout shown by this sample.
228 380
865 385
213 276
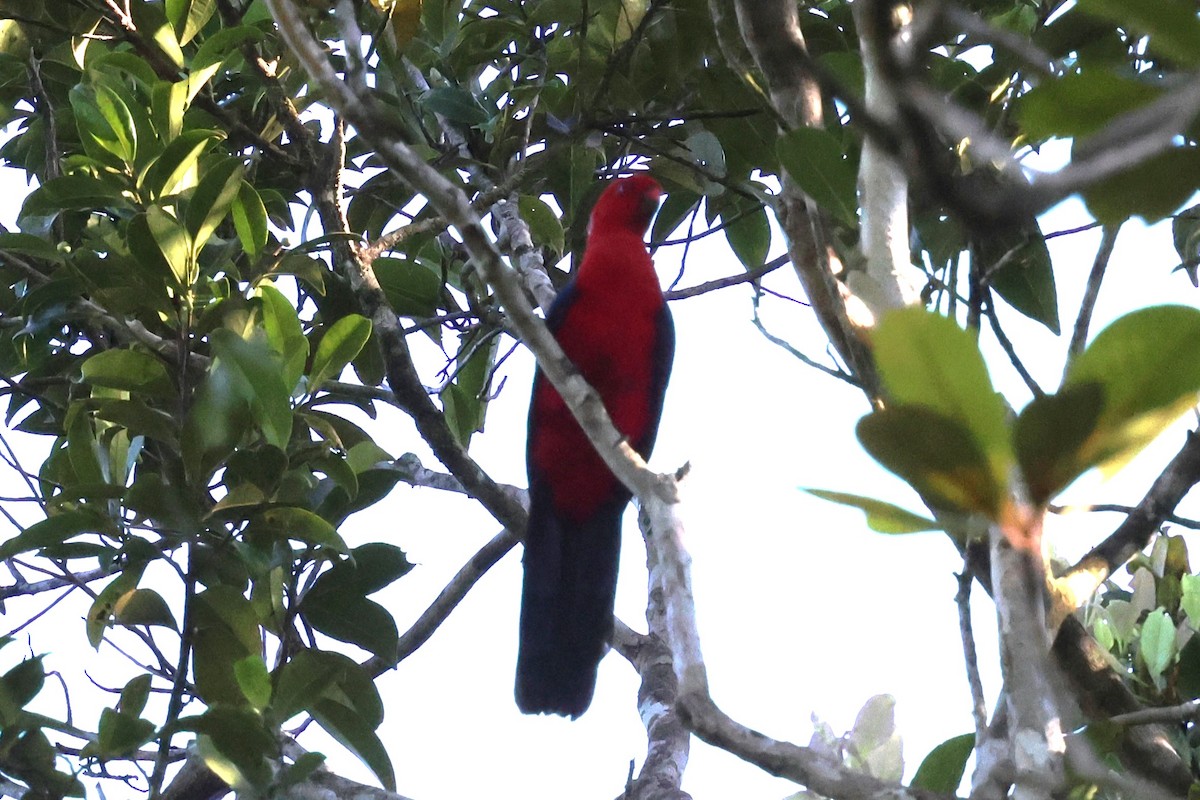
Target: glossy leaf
349 617
258 367
174 244
455 104
882 516
128 370
134 695
187 17
340 344
23 682
176 168
249 219
284 333
236 744
214 195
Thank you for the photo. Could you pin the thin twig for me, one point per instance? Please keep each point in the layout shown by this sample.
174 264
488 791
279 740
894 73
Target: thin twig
1108 241
963 600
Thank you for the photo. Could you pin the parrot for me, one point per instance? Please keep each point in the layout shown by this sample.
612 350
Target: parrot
612 321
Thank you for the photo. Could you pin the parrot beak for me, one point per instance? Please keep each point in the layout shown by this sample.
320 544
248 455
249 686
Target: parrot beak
650 203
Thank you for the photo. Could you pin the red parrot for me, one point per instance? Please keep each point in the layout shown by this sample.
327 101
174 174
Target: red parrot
612 322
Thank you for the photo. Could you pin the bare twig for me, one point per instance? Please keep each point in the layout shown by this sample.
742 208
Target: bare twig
1108 241
963 600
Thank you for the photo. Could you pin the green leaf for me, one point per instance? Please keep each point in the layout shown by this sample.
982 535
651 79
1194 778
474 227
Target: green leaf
1190 603
338 347
882 517
150 22
259 368
678 204
1152 190
1080 103
187 17
226 631
254 681
942 770
1188 671
544 225
52 531
143 607
250 219
936 455
814 160
1156 646
128 370
349 617
177 167
1172 25
134 695
284 333
749 236
1148 367
314 674
371 567
412 289
218 188
925 359
30 245
706 152
173 243
1018 268
105 124
119 734
23 682
303 525
357 735
139 419
101 612
1185 231
465 399
1050 436
168 102
73 192
235 744
455 104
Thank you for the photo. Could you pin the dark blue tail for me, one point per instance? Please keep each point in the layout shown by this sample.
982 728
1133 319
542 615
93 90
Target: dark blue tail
566 605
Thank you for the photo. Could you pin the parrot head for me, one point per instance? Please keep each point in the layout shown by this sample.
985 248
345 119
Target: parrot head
627 204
